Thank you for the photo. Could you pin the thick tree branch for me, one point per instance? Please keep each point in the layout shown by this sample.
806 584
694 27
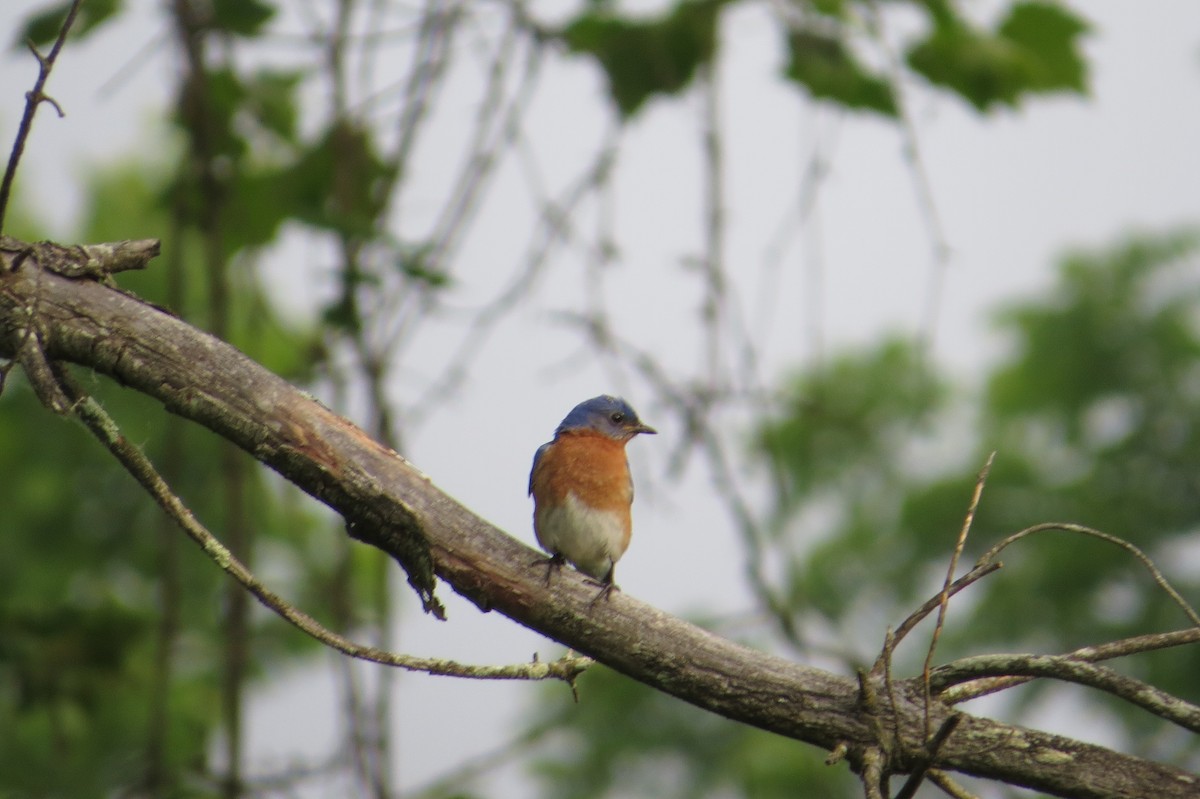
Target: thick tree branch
390 504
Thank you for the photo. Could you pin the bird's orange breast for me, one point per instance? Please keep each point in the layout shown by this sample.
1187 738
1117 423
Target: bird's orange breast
591 466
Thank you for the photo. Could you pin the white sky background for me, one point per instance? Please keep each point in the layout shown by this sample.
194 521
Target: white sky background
1012 189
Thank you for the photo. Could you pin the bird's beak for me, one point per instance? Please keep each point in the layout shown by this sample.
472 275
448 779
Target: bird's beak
642 428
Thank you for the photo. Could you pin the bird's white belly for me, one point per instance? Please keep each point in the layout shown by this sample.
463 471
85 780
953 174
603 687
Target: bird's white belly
593 540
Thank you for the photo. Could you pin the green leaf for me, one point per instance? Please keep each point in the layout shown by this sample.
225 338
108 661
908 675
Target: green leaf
271 100
1034 50
42 28
826 67
342 179
1047 36
241 17
259 203
336 184
830 8
226 97
983 70
646 58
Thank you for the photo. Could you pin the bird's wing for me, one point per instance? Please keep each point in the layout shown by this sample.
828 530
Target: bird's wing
537 456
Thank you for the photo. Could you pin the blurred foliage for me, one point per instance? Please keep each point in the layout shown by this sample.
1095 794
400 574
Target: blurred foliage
829 70
1035 49
235 17
81 554
624 739
42 27
1095 416
643 58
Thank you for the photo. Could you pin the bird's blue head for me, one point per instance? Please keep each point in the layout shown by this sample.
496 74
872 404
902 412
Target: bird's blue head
609 416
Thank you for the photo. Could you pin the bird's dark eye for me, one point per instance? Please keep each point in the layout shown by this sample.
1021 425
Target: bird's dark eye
617 417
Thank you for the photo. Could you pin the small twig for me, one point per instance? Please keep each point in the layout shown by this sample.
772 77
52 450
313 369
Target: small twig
951 788
105 429
1151 699
909 789
889 687
430 59
872 773
1136 645
553 227
714 308
497 125
34 98
944 599
868 699
1088 654
5 368
40 373
922 183
1159 579
918 615
838 754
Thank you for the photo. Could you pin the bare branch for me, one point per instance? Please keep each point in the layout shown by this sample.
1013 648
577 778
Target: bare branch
1088 654
944 598
34 98
430 59
95 261
931 604
1058 667
496 125
873 775
910 787
1068 527
949 786
922 184
553 227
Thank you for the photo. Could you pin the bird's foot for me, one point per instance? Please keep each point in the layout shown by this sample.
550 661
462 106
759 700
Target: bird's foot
606 588
553 563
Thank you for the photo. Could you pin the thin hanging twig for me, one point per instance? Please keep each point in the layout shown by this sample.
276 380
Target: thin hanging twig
105 429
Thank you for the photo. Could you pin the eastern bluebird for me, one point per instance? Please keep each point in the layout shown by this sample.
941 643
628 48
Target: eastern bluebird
582 491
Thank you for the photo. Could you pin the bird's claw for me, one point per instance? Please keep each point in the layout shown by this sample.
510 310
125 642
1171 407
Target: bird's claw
606 588
553 563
